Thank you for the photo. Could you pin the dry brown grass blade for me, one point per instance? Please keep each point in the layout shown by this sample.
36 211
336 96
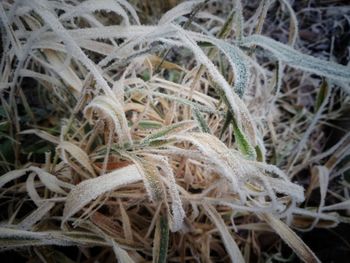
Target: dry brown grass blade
291 238
78 154
127 124
230 244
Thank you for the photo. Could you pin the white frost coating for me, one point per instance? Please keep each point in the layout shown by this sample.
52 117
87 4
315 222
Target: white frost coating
31 191
239 19
340 206
35 216
323 177
236 58
12 175
120 253
176 205
150 177
77 153
30 238
109 32
112 110
240 110
219 156
287 188
42 9
238 61
50 181
238 171
217 77
14 41
294 22
131 9
282 184
300 61
57 64
90 189
181 9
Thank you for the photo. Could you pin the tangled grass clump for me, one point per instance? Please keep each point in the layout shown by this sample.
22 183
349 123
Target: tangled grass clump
179 141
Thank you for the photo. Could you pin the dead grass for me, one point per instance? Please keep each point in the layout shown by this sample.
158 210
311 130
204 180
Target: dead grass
136 132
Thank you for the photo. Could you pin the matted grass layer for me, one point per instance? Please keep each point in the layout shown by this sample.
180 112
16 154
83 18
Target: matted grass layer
167 131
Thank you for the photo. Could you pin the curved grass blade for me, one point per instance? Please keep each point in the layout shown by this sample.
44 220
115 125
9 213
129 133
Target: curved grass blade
291 238
300 61
90 189
78 155
230 244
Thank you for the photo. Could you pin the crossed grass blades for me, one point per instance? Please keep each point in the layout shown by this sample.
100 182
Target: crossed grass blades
155 158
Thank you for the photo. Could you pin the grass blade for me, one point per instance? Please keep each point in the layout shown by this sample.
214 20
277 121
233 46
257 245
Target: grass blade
161 240
90 189
300 61
230 244
291 238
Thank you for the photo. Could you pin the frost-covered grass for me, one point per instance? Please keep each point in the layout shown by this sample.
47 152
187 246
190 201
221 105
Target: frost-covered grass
167 131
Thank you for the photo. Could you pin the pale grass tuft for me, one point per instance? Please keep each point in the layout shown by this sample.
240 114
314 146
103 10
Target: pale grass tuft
182 138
